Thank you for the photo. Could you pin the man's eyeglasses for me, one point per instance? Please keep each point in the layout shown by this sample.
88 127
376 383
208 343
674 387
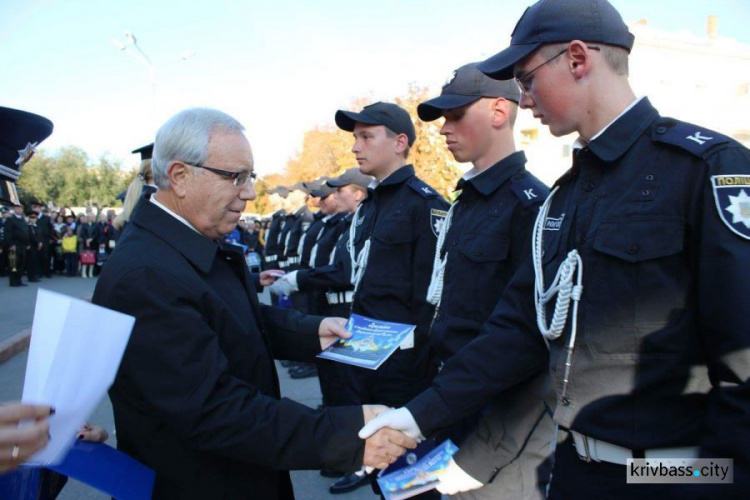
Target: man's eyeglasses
524 81
239 178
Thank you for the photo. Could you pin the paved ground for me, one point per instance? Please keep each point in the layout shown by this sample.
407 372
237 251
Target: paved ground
16 314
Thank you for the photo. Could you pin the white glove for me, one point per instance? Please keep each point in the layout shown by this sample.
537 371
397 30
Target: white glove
399 419
280 287
455 480
291 278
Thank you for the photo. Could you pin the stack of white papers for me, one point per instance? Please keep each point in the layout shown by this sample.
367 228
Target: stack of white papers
75 352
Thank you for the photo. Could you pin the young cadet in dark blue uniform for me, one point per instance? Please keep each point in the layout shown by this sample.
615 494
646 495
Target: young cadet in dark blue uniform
647 231
487 234
274 230
393 242
394 239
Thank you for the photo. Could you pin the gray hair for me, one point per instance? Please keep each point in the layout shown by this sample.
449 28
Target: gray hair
185 137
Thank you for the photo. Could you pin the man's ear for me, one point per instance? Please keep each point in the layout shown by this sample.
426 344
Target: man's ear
402 142
179 175
579 59
500 112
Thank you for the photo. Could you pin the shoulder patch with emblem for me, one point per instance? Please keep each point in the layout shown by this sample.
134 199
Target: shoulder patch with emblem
692 138
437 220
732 196
529 190
422 188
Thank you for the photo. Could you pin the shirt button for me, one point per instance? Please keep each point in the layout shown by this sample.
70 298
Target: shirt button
649 177
588 187
661 130
565 401
633 249
645 192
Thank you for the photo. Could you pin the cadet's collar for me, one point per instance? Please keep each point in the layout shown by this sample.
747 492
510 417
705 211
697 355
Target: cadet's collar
197 248
617 137
401 175
489 180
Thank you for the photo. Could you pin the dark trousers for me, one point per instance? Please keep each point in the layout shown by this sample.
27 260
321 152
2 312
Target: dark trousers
331 373
45 260
34 263
71 264
4 262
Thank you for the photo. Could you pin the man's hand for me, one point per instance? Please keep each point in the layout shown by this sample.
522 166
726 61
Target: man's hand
17 445
372 411
400 419
385 446
267 278
92 433
330 330
455 480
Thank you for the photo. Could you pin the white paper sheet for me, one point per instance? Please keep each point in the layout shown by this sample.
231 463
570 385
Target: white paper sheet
75 351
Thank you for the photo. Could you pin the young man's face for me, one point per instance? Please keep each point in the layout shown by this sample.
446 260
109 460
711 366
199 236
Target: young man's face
468 130
548 91
348 198
329 205
375 151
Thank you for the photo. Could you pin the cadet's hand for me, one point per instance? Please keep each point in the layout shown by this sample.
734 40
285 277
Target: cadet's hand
455 480
385 446
267 278
400 419
17 445
92 433
330 330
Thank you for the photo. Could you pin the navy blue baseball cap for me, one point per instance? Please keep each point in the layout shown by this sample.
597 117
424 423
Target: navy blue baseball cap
350 176
559 21
20 133
390 115
467 85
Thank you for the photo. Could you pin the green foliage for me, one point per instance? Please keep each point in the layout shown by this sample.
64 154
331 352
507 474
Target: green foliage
69 178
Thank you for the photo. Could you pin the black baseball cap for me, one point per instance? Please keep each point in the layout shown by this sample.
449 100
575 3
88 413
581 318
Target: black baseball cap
558 21
467 85
392 116
146 152
350 176
20 133
323 191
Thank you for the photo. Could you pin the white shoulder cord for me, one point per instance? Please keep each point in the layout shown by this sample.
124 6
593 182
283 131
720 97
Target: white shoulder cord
562 286
359 262
435 290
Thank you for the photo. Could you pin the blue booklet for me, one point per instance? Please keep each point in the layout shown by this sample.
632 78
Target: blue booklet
372 342
417 471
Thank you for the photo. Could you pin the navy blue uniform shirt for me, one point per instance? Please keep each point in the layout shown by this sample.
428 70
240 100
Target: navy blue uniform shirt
489 237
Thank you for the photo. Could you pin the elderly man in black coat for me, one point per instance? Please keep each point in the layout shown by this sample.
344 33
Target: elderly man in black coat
196 397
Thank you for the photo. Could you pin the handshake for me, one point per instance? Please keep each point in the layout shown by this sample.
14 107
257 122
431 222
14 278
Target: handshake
390 432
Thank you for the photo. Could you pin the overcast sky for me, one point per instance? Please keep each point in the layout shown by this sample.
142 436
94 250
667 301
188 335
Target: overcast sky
280 67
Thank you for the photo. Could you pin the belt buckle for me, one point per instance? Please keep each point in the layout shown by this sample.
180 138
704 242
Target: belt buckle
586 458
